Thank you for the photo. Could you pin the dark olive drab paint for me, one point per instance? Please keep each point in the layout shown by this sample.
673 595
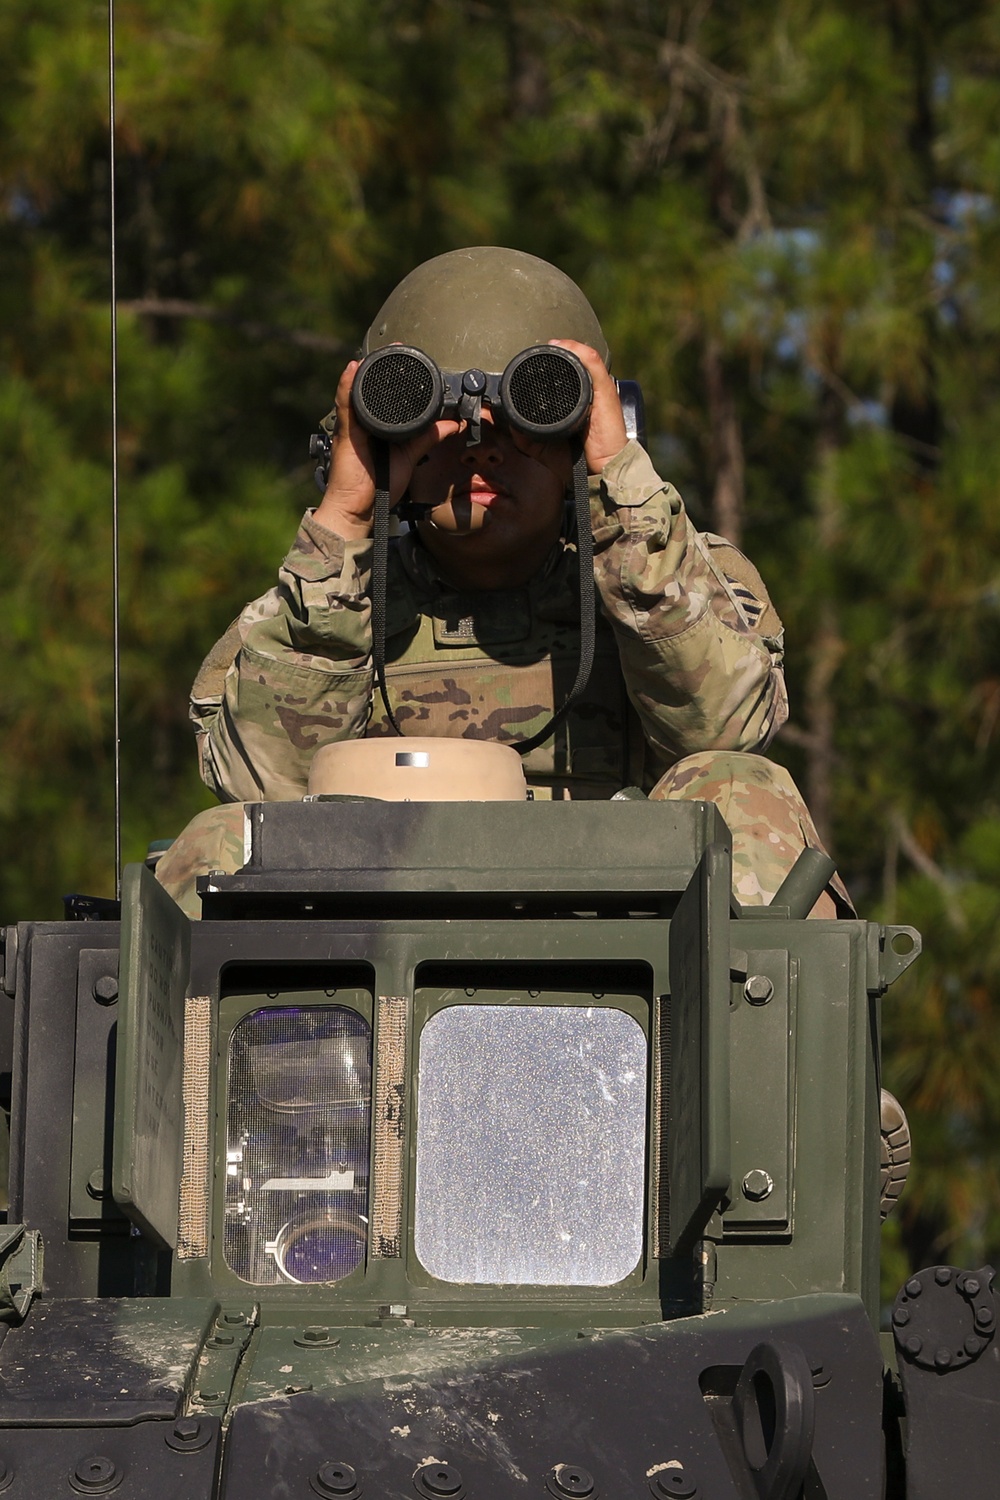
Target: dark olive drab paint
762 1214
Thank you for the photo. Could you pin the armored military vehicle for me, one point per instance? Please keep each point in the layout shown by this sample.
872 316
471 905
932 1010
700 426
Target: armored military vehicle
483 1150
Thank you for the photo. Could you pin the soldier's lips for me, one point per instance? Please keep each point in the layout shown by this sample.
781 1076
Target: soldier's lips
484 496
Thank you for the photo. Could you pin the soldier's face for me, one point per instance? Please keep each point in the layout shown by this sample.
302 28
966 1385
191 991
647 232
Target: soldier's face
496 507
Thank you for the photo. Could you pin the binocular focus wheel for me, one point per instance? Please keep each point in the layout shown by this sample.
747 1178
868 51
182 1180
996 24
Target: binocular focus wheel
546 392
397 392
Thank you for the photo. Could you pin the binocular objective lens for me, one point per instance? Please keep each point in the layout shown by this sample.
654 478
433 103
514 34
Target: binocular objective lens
397 392
545 391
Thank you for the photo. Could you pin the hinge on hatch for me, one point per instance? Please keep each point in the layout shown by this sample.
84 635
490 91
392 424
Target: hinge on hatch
891 950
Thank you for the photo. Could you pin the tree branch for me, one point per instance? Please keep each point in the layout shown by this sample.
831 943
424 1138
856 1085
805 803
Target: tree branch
173 307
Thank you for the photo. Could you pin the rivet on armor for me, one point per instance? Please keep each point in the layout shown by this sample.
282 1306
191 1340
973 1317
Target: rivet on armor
675 1483
571 1480
95 1475
335 1481
438 1481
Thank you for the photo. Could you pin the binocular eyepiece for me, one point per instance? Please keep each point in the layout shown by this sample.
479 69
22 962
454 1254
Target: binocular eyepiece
398 391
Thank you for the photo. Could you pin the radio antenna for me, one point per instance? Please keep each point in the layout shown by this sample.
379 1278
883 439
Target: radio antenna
115 593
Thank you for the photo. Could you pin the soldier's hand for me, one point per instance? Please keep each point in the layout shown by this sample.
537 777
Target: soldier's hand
605 434
348 502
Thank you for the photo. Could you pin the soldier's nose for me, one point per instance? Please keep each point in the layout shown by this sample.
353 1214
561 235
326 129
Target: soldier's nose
489 449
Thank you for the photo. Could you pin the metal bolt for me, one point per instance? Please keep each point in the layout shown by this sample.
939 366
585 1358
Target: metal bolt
442 1480
209 1396
914 1287
757 1184
970 1286
105 989
313 1335
570 1479
94 1475
333 1480
234 1318
942 1358
943 1275
913 1345
900 1317
675 1484
758 990
189 1435
973 1345
96 1186
223 1338
985 1317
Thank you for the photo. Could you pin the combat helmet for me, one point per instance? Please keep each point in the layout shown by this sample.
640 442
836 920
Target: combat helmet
476 310
481 306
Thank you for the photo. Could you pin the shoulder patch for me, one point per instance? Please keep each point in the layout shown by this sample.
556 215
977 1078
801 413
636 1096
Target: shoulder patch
744 586
211 678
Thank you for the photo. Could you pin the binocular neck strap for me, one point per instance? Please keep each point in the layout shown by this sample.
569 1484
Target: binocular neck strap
585 556
380 565
588 622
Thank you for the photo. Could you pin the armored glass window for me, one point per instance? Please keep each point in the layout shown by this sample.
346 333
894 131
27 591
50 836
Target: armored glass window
299 1120
531 1132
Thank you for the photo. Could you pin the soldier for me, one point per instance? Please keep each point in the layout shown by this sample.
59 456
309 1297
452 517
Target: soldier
483 618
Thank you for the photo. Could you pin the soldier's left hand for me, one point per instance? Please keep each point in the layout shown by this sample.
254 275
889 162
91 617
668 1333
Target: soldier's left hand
605 434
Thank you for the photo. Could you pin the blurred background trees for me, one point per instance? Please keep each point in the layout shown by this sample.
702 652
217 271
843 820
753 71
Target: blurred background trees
786 216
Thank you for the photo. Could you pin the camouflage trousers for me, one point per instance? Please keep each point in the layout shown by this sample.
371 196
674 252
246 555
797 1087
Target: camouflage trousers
760 802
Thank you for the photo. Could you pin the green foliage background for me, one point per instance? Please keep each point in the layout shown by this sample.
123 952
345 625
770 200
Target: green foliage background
785 213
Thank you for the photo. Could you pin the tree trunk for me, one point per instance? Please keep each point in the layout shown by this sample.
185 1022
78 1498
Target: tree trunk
828 645
725 449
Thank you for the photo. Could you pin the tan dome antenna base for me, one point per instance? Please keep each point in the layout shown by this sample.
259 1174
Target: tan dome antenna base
419 769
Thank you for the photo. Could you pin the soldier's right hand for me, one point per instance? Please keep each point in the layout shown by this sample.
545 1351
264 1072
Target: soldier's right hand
348 502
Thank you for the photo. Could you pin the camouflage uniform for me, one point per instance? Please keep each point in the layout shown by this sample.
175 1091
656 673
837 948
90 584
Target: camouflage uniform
688 659
686 627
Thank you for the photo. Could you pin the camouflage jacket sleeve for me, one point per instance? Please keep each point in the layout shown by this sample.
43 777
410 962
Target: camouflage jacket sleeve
700 641
292 672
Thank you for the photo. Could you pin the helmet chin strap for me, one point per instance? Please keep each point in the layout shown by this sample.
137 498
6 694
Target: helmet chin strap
585 556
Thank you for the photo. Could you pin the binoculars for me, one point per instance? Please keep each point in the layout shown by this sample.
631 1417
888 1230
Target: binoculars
398 391
544 392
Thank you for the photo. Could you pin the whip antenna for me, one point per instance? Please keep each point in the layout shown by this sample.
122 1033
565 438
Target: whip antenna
115 597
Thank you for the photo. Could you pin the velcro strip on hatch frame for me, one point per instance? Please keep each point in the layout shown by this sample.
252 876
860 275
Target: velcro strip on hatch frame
192 1215
390 1128
660 1109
